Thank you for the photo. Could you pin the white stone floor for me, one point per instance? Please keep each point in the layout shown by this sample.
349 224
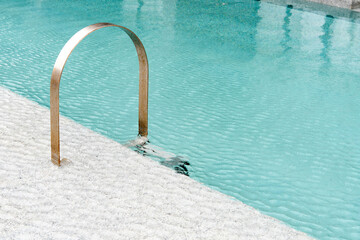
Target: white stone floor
106 191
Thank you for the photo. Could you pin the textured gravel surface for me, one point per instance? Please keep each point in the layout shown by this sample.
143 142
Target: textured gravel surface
106 191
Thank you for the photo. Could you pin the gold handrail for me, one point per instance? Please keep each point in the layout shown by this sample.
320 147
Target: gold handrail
59 67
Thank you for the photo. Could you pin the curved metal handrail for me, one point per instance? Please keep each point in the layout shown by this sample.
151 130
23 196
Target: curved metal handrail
59 67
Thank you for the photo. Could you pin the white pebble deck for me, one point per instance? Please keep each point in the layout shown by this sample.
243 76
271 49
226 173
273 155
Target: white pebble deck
106 191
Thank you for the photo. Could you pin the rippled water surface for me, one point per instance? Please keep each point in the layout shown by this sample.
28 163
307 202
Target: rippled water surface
262 100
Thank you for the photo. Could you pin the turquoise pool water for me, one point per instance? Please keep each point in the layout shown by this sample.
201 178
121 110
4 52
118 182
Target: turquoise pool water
262 100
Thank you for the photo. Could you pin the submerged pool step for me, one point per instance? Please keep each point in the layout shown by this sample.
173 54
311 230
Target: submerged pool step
143 146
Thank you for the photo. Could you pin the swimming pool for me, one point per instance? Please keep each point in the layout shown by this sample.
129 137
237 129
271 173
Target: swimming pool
262 100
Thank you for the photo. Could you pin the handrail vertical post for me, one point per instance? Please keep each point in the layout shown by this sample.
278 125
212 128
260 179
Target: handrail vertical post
55 124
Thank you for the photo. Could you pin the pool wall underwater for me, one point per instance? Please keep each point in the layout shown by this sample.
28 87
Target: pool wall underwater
350 4
262 100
